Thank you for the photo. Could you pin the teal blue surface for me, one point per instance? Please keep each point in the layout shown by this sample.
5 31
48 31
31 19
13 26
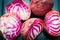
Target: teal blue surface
55 5
43 35
0 7
59 5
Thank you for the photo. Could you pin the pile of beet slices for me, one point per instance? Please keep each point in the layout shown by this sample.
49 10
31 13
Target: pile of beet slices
29 20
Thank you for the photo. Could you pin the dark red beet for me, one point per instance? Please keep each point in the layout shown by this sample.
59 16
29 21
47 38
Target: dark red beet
41 7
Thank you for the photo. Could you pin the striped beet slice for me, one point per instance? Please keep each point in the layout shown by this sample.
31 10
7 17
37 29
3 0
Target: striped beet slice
19 7
32 28
52 21
10 26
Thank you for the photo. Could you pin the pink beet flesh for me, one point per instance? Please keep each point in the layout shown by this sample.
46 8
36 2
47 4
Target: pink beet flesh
32 28
19 7
10 26
52 21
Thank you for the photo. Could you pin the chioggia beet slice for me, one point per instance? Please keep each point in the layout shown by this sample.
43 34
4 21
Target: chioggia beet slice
32 28
19 7
41 7
10 26
52 21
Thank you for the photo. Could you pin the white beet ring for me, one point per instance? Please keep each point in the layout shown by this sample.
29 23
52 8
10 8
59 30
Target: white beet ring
19 7
52 21
32 28
10 26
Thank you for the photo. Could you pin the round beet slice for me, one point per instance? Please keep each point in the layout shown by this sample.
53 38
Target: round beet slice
32 28
10 26
52 21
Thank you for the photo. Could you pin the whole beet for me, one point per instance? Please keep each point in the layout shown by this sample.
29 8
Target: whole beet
41 7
